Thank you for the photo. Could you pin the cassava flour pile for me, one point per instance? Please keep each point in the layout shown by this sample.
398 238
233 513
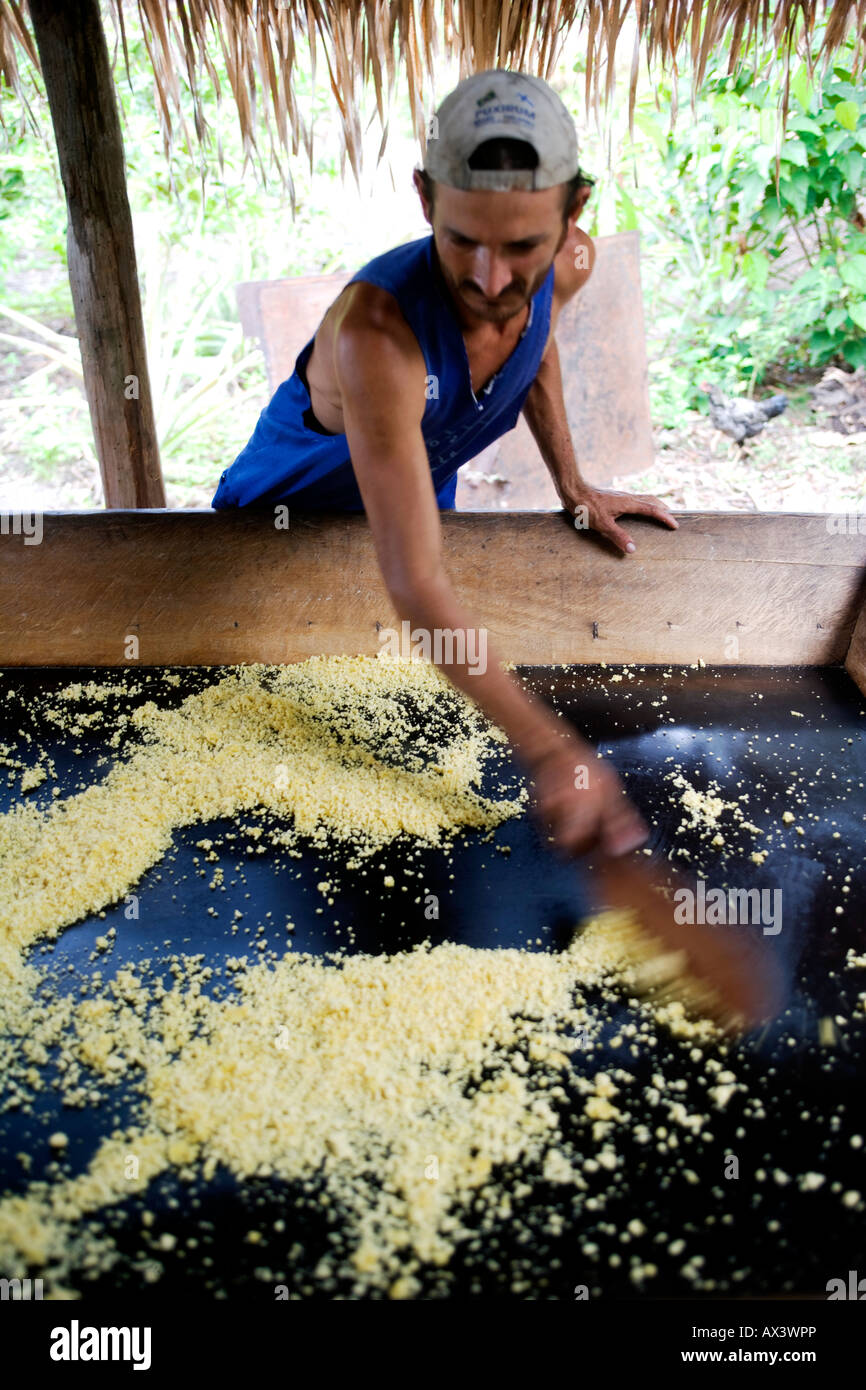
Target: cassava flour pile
403 1083
323 741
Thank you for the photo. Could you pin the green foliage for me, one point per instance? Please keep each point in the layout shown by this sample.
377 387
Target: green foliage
204 220
194 351
741 278
33 243
743 275
11 185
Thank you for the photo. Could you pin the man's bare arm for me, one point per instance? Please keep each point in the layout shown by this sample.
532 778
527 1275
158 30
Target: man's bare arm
381 373
544 411
544 408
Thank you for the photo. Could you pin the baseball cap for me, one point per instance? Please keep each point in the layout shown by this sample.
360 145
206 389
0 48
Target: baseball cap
501 103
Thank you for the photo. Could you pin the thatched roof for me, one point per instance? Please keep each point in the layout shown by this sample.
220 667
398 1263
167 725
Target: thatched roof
369 41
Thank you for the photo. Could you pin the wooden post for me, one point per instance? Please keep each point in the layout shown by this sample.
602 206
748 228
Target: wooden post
101 252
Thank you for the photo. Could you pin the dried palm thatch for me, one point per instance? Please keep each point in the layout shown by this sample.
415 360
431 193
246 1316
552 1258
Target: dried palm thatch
366 41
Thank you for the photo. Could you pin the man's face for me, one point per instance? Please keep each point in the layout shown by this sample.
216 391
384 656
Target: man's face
495 249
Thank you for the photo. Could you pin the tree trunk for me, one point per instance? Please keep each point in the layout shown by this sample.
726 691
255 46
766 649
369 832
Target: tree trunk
101 251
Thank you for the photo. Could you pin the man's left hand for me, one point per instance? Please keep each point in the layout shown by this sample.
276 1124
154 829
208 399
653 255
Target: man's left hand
597 509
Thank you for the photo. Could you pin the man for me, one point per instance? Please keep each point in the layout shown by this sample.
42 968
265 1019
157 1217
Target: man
427 355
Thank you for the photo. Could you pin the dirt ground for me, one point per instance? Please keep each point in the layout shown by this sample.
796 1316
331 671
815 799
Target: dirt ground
795 464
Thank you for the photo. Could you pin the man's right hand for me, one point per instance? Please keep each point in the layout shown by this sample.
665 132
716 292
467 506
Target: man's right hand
582 802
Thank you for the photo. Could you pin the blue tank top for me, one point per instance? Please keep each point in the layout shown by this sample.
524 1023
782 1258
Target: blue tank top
287 460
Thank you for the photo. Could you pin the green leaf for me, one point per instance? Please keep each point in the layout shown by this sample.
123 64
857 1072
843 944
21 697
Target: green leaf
768 125
846 205
755 267
821 340
752 190
804 123
836 139
847 113
795 152
763 157
854 352
852 166
857 312
795 194
802 87
853 272
771 215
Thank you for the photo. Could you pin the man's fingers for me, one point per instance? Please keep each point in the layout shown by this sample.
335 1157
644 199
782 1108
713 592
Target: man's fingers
624 830
576 837
621 539
620 833
572 834
661 513
651 506
571 823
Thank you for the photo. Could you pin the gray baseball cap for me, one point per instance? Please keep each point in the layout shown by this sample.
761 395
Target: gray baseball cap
500 103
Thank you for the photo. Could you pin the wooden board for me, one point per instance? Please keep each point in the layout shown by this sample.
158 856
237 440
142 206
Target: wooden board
855 659
198 587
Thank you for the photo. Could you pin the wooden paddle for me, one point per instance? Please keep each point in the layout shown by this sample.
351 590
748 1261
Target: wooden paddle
736 974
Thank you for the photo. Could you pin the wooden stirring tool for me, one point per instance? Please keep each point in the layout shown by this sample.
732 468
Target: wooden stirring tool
731 975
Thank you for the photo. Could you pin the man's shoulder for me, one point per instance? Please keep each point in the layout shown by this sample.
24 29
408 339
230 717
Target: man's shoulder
372 326
367 305
375 350
573 263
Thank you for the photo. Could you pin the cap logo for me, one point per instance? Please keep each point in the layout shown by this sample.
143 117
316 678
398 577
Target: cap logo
488 96
508 112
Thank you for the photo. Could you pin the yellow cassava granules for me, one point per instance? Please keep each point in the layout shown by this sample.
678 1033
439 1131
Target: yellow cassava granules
324 742
404 1081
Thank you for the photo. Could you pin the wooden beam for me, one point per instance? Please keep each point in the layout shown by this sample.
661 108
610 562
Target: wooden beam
199 587
101 252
